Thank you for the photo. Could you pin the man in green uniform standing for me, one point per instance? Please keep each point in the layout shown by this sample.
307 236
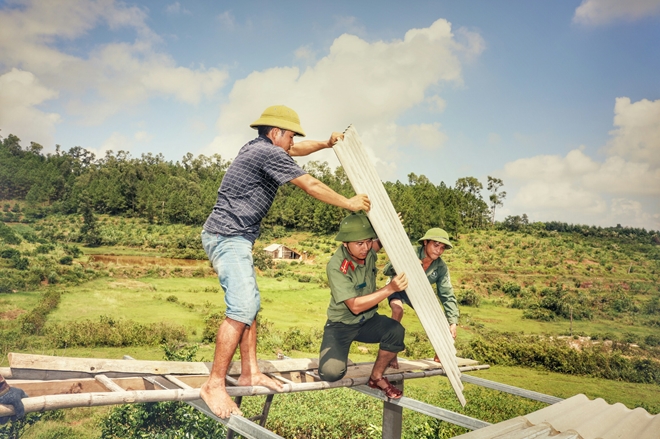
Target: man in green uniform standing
434 242
354 300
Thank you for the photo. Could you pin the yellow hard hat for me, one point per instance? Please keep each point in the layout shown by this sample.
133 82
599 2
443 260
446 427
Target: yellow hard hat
282 117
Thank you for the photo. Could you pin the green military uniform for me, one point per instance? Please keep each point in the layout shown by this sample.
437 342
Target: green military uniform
437 274
348 280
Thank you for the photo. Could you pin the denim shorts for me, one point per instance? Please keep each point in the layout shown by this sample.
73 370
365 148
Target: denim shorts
231 257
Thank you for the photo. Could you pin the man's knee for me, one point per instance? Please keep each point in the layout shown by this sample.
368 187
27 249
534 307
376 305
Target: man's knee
393 338
332 369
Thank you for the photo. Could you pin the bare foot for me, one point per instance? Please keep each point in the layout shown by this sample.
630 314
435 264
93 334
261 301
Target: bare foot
259 379
394 364
436 359
219 401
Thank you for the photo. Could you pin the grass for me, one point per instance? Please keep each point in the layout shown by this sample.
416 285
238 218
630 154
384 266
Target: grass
480 261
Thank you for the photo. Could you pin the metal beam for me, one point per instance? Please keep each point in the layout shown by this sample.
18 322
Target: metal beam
239 424
536 396
427 409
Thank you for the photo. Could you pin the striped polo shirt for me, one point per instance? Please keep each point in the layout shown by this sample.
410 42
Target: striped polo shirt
248 188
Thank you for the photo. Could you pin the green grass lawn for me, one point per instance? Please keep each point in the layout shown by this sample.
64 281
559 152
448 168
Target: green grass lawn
478 262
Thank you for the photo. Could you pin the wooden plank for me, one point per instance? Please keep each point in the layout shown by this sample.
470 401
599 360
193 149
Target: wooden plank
178 382
76 386
108 383
54 402
364 178
27 366
102 365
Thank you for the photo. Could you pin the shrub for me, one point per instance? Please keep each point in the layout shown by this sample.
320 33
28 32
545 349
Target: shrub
211 325
511 289
305 278
171 420
113 332
66 260
262 259
172 298
557 356
8 235
652 340
469 298
33 322
72 250
10 253
536 313
20 263
45 249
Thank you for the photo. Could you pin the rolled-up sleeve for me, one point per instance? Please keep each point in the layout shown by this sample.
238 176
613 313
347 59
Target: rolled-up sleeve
447 297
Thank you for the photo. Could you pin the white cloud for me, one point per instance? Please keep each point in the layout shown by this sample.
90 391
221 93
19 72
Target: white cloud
21 93
348 24
427 136
637 136
598 12
115 143
305 53
227 20
494 138
436 103
624 188
110 77
366 84
143 136
176 9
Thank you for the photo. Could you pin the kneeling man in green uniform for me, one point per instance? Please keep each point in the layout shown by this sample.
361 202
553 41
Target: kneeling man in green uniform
354 300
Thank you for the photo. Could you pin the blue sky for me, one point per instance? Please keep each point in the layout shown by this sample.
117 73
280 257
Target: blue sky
561 100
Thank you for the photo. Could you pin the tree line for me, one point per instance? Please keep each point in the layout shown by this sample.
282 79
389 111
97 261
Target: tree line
161 191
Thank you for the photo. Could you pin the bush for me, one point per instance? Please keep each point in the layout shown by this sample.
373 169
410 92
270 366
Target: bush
171 420
305 278
511 289
262 259
469 298
45 249
33 322
20 263
211 325
66 260
72 250
557 356
536 313
8 235
110 332
10 253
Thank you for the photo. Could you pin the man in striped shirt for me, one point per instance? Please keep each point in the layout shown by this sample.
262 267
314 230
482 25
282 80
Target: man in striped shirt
244 198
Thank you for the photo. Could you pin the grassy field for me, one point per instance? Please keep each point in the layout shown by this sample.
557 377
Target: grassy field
618 281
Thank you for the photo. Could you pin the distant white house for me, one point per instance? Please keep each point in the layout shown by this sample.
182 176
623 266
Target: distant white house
280 251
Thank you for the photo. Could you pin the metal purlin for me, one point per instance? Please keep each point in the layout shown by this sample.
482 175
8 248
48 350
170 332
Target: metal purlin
365 180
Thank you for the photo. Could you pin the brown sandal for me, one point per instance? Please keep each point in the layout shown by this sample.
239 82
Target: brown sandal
390 391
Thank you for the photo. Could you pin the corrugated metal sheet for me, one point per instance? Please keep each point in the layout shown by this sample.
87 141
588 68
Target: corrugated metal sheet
577 417
364 178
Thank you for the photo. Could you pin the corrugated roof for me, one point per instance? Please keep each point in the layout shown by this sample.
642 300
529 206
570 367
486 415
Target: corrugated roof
579 418
272 247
